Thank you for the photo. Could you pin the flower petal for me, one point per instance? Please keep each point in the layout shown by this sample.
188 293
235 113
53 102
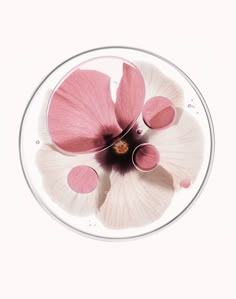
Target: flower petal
146 157
158 84
159 113
181 149
82 179
130 96
55 168
137 198
81 114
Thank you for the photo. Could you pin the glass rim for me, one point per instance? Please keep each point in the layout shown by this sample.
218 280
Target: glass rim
180 214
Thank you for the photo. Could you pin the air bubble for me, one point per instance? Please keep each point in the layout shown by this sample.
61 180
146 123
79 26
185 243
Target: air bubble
139 131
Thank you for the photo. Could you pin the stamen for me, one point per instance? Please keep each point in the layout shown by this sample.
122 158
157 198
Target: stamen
121 147
118 157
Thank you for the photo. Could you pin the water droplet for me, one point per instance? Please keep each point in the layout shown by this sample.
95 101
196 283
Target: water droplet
186 183
139 131
37 142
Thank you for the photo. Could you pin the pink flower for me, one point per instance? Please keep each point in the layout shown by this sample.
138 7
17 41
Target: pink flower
135 155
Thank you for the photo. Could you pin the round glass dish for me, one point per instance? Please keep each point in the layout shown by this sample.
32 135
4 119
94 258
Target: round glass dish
116 143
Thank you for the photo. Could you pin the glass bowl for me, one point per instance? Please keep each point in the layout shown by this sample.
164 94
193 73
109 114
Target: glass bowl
116 143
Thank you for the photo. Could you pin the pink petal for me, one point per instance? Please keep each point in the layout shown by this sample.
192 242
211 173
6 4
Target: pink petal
158 113
186 183
181 149
158 84
81 114
55 167
82 179
146 157
130 96
137 198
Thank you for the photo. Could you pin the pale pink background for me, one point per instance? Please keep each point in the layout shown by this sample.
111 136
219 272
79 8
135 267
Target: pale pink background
195 257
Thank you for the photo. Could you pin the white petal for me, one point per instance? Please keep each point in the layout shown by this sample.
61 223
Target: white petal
158 84
180 148
137 198
54 167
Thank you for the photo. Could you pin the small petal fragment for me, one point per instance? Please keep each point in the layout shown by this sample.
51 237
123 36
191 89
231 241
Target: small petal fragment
82 179
146 157
81 114
55 167
186 183
159 113
137 198
181 148
129 97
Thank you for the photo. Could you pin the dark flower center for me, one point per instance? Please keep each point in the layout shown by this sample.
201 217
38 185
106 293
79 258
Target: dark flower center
118 157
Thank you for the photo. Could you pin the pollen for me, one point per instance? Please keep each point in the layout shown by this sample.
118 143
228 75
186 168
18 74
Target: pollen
121 147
